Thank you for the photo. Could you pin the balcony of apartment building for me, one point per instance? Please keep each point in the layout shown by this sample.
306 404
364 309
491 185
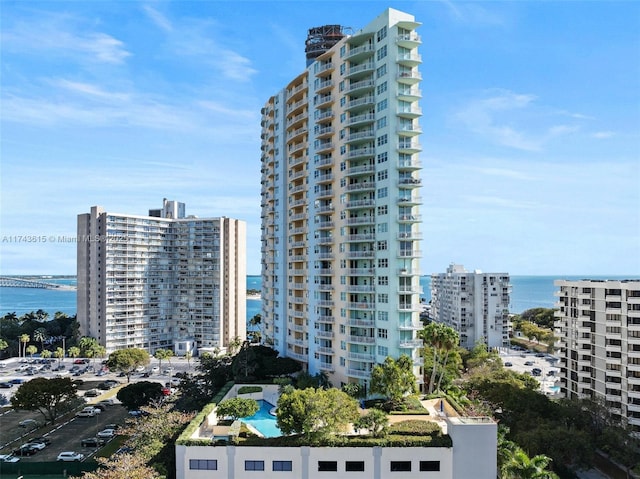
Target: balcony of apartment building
411 343
362 186
355 105
361 86
360 271
367 357
409 58
324 85
408 76
322 132
360 70
297 339
361 220
409 93
362 322
410 326
325 318
360 136
297 188
361 119
360 288
324 146
297 91
321 208
361 169
297 134
361 339
323 100
359 373
324 270
408 128
409 253
297 120
324 239
323 178
409 235
323 161
358 53
409 289
297 355
324 68
297 107
324 193
326 366
323 115
408 40
409 182
409 307
409 218
360 237
324 225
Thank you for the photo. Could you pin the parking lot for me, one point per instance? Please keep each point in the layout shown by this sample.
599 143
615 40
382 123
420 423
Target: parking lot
527 361
69 431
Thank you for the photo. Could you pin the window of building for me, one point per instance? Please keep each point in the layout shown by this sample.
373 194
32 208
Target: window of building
383 192
400 466
383 298
283 466
382 88
382 52
354 466
384 174
327 466
382 157
343 101
382 210
343 68
382 333
382 245
381 34
383 351
383 280
429 465
203 464
381 122
383 263
343 362
381 71
254 465
382 105
383 316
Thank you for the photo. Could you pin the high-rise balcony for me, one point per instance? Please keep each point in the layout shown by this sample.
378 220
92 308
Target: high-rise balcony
361 220
324 193
360 288
324 225
360 103
298 356
362 339
324 68
319 333
358 373
361 169
361 136
325 319
409 307
366 357
360 70
326 178
409 93
323 101
409 130
409 59
360 254
298 89
410 182
323 162
293 108
360 271
328 367
361 86
368 237
411 253
296 134
324 86
364 186
409 77
409 218
410 200
298 119
324 209
324 133
323 116
362 323
362 306
357 53
361 119
411 343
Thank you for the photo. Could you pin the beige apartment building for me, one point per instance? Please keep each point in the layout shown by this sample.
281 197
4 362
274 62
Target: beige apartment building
163 281
598 326
340 202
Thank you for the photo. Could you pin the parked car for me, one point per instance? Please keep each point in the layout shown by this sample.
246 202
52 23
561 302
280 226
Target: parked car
81 361
528 363
8 458
32 423
105 386
155 369
91 393
107 433
140 369
44 440
36 445
107 402
536 371
24 451
508 364
70 456
5 385
87 412
540 355
91 442
16 381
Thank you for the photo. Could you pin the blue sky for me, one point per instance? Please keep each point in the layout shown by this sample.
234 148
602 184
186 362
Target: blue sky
531 143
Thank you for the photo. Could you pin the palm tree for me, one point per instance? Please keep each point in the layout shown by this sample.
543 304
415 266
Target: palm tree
3 344
188 355
86 343
41 315
31 350
46 354
13 317
40 335
24 340
74 351
520 466
450 340
161 354
234 345
432 335
59 354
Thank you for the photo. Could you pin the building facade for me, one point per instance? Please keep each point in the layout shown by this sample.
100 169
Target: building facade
340 203
598 326
163 281
475 304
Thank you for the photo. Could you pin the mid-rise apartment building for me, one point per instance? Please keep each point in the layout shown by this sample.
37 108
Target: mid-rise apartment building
340 202
474 303
163 281
598 326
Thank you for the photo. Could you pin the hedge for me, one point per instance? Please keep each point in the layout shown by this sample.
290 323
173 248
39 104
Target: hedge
249 389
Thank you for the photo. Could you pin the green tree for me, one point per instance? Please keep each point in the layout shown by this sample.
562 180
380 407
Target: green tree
41 336
127 360
188 355
234 345
394 379
74 352
87 346
46 354
45 396
520 466
162 354
58 354
442 340
140 394
375 421
354 390
31 350
3 344
237 408
41 315
24 340
315 412
123 466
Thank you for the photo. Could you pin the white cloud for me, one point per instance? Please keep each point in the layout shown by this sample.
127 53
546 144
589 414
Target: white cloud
60 35
603 135
158 18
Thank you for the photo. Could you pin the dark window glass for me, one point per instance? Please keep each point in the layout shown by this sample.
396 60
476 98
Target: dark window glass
400 466
327 465
254 465
203 464
353 466
282 466
429 465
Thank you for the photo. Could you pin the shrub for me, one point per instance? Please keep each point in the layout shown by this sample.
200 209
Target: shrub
249 389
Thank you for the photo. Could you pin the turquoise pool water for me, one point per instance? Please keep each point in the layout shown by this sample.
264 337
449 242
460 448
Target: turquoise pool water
555 389
264 422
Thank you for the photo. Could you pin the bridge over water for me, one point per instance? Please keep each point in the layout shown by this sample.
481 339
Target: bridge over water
12 282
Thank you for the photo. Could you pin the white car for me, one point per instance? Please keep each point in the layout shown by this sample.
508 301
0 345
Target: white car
8 458
155 369
88 412
107 402
140 369
107 433
35 445
70 456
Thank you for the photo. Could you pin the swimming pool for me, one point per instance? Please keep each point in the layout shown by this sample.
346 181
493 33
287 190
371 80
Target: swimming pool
555 389
264 422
